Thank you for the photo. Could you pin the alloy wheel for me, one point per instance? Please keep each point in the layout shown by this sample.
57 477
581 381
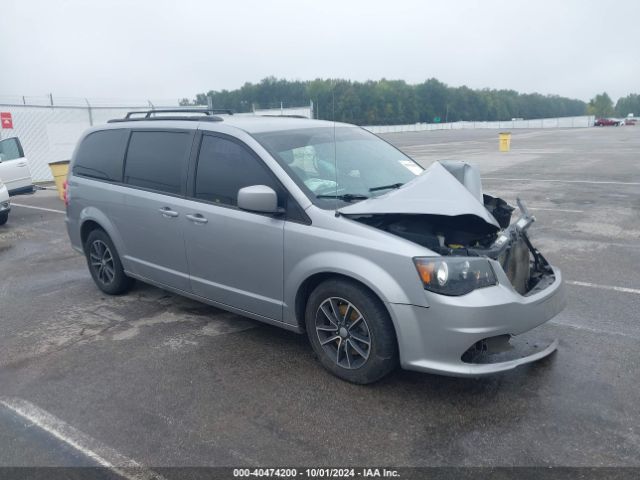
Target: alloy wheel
343 332
101 261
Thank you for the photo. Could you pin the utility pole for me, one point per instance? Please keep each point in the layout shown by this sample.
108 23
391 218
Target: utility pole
89 111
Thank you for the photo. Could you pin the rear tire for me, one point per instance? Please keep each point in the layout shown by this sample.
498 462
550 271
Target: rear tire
351 332
104 264
4 217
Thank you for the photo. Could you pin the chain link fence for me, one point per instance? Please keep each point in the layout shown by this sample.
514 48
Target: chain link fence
49 127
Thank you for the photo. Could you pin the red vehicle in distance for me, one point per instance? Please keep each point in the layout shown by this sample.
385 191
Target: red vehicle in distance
607 122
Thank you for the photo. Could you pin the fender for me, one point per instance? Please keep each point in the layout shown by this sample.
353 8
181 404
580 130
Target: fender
359 268
96 215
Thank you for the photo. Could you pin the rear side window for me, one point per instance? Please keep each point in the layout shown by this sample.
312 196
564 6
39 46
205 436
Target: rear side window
156 160
100 155
224 167
10 149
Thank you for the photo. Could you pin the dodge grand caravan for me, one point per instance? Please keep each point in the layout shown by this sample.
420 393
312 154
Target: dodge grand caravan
315 227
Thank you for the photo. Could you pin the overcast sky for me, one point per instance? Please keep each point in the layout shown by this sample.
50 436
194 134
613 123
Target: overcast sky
173 49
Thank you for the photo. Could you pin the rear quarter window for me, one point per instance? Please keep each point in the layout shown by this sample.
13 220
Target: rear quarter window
156 160
101 154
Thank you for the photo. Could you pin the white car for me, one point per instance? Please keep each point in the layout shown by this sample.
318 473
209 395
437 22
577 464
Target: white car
14 168
5 204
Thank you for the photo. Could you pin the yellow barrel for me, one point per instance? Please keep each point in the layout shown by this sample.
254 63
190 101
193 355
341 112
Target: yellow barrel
59 170
505 141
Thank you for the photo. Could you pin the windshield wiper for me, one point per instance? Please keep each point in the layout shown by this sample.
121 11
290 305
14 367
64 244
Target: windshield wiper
347 197
385 187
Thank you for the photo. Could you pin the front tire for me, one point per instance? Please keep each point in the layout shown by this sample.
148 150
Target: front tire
4 217
351 332
104 264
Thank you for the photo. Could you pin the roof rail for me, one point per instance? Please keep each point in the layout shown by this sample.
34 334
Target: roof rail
204 111
207 115
173 117
282 116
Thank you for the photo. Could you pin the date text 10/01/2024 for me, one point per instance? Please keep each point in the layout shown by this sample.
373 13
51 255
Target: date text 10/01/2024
316 472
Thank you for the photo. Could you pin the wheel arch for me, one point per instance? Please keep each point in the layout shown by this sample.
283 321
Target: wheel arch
311 282
86 228
92 218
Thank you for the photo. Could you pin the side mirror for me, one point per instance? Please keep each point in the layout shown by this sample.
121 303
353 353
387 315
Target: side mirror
258 198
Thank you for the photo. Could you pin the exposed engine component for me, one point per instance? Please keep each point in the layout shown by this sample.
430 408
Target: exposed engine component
469 235
516 263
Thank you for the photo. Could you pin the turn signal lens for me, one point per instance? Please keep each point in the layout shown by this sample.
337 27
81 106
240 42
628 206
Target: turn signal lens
426 271
455 276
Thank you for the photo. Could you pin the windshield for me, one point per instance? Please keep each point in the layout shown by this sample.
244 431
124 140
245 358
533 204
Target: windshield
366 165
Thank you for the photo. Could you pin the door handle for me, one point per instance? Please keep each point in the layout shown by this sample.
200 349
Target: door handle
167 212
197 218
22 164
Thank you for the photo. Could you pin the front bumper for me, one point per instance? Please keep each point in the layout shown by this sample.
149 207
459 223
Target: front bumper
433 339
5 207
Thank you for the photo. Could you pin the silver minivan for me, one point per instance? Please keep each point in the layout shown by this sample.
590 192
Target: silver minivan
316 227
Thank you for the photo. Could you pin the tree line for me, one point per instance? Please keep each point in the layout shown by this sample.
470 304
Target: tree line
379 102
602 106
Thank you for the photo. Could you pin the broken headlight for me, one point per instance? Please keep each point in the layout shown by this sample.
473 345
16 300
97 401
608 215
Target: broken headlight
455 276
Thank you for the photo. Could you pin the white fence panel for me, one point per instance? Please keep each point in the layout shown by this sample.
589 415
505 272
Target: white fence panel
559 122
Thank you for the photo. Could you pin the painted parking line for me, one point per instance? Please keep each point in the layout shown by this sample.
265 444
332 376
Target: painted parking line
589 182
37 208
83 443
555 209
604 287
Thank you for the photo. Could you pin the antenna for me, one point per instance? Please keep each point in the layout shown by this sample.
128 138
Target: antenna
335 147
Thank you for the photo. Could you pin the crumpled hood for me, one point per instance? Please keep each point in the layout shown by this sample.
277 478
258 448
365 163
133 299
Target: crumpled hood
434 192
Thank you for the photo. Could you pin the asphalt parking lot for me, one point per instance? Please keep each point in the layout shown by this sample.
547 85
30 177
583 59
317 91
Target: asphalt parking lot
159 380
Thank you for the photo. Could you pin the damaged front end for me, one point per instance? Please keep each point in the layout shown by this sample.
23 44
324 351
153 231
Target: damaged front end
488 285
471 328
470 236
